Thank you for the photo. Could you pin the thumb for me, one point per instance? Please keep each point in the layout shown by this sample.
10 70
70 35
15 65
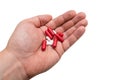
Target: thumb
39 20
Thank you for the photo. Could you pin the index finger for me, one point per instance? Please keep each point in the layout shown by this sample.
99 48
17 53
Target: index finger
61 19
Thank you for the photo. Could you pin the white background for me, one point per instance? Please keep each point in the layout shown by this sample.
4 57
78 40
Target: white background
96 56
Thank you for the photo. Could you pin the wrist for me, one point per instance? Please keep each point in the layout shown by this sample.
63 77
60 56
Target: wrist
11 68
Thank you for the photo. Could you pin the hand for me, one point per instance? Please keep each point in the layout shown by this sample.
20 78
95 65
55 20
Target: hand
25 42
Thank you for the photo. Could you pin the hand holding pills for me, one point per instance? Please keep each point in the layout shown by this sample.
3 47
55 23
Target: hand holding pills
51 34
39 42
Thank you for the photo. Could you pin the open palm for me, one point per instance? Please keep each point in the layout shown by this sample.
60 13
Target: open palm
25 42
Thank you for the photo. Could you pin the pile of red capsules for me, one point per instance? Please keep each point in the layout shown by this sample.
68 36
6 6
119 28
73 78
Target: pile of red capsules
52 38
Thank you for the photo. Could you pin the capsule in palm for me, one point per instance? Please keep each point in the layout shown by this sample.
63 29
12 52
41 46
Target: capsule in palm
48 34
43 47
51 31
55 42
59 37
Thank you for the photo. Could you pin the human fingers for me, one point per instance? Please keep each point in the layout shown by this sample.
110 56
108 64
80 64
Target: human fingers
39 20
70 40
83 22
78 18
61 19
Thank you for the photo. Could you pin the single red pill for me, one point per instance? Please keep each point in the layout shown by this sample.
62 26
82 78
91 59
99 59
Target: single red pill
59 37
51 31
55 42
48 34
43 47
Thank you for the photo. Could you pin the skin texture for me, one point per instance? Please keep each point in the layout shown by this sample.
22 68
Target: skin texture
25 42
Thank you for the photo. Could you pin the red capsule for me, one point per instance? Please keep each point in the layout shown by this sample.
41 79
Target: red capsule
43 47
48 34
55 42
59 37
51 31
60 34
